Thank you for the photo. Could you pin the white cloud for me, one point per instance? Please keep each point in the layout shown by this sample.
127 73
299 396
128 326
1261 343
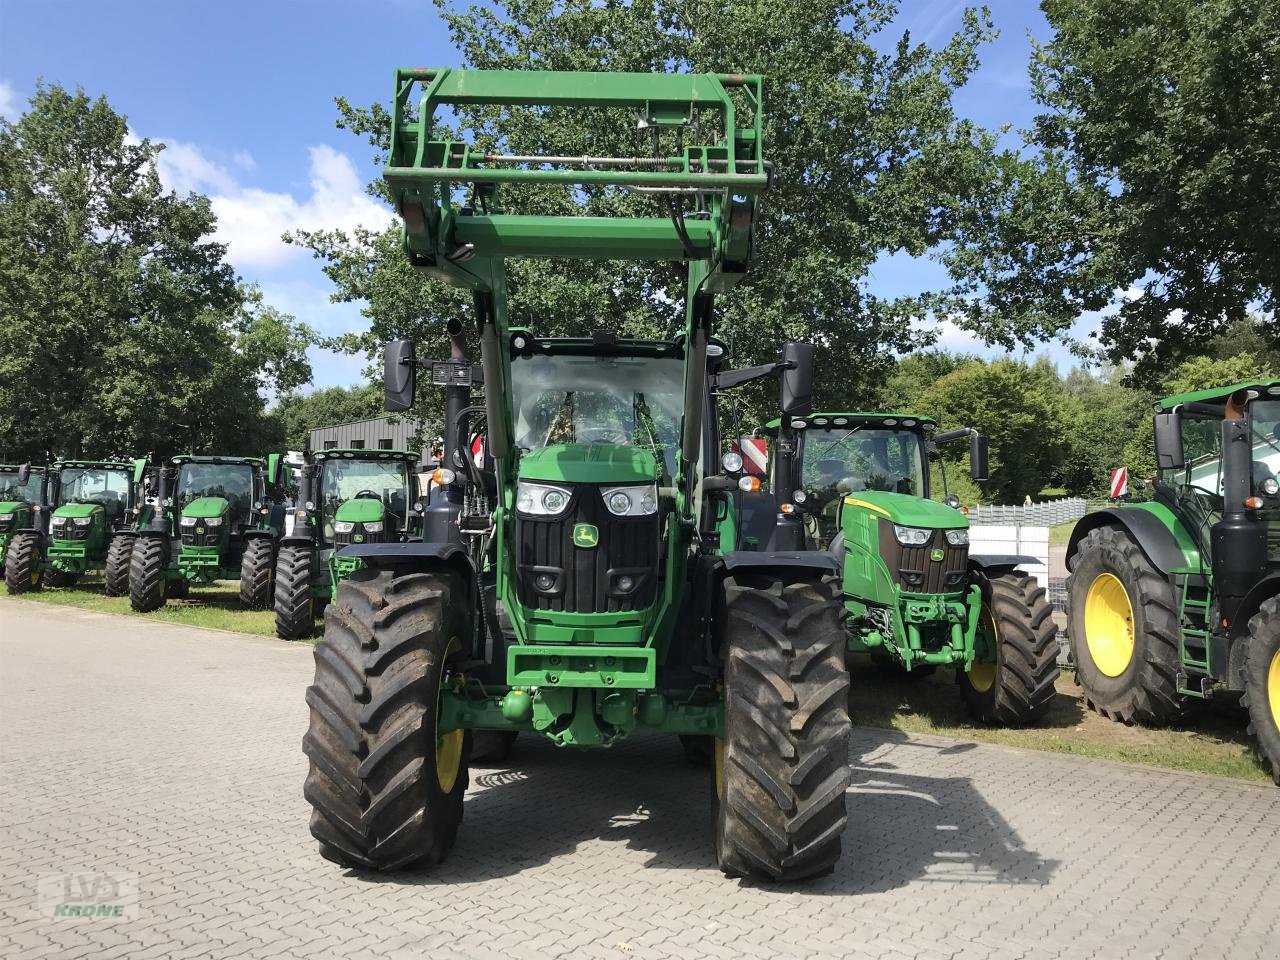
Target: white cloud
10 102
184 169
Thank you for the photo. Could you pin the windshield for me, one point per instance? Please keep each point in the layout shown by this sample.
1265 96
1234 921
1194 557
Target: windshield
847 461
343 480
620 400
231 481
94 485
11 490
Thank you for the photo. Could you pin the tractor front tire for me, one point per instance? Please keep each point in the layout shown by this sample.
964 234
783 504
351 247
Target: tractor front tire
1262 683
385 790
294 605
146 574
779 775
1122 620
22 571
1018 686
257 574
116 574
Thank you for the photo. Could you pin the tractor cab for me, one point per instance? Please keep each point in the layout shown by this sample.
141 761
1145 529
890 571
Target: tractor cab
24 490
220 501
94 498
364 496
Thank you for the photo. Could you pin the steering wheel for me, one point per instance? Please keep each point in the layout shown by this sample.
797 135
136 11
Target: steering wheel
602 435
366 495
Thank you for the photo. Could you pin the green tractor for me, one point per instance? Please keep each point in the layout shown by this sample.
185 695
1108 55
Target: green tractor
222 522
1178 599
24 494
344 497
584 584
98 507
917 598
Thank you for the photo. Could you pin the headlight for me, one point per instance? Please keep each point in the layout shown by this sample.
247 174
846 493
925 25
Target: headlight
958 538
637 501
539 500
83 521
188 521
373 526
731 461
343 526
5 517
1270 487
912 536
214 522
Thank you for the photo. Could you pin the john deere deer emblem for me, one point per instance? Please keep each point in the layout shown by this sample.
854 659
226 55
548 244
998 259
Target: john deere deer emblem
585 535
936 555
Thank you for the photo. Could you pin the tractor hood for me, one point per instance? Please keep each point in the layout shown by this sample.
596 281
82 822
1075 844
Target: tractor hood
907 511
77 510
590 463
360 511
205 507
13 506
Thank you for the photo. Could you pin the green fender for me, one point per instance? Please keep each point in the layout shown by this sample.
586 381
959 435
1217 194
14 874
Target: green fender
1156 529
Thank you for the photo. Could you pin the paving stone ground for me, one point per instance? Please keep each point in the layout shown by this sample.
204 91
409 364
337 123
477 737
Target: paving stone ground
173 755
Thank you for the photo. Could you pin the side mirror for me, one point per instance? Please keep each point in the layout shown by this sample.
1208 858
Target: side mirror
273 469
399 375
1169 455
796 392
24 474
979 468
139 470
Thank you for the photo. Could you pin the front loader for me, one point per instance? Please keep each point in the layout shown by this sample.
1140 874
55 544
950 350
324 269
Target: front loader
858 484
216 518
588 587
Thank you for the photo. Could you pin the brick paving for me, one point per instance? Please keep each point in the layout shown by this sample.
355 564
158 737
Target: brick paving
173 754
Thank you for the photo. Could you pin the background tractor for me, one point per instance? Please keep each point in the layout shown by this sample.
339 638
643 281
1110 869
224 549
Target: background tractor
24 493
917 598
222 522
98 505
1176 600
587 586
344 497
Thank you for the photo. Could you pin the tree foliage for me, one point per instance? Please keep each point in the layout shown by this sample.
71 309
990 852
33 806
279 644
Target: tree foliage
299 414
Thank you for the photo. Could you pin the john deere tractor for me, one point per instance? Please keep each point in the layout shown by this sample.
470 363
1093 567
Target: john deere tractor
857 484
221 522
588 587
98 507
344 497
24 494
1178 599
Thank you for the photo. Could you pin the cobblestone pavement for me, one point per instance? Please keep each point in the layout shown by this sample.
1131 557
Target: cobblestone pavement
173 755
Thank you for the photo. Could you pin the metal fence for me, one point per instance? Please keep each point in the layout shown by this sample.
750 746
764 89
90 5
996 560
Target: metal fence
1050 513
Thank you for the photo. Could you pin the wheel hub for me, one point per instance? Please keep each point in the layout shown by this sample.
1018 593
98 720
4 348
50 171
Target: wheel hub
1273 689
1108 624
982 675
448 759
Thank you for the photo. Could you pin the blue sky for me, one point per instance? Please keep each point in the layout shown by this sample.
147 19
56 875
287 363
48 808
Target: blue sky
243 94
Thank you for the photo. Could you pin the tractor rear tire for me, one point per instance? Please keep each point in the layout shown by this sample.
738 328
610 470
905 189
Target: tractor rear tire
146 574
779 775
116 575
257 574
61 578
1019 686
489 748
1262 683
22 571
1128 667
294 605
385 791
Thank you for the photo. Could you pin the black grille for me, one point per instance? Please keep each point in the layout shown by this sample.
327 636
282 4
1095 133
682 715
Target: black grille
70 531
211 537
914 568
343 539
585 579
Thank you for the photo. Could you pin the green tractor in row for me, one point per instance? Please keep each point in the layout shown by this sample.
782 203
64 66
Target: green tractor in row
24 493
917 598
583 583
222 522
1178 599
353 496
97 506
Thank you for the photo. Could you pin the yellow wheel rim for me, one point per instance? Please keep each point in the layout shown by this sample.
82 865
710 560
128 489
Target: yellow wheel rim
1273 688
449 759
718 763
1108 624
982 676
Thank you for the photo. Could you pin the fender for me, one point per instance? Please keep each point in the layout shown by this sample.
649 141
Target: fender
1156 530
818 561
999 561
1259 593
388 555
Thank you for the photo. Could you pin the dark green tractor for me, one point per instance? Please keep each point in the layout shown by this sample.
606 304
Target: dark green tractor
98 508
1178 599
25 494
344 497
222 522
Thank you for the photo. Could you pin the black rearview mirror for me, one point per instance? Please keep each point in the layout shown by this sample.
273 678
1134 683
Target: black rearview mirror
979 468
24 474
1169 455
399 375
796 390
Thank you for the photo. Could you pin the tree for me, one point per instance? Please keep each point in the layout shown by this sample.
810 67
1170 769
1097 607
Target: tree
122 328
1151 182
870 155
1101 416
299 414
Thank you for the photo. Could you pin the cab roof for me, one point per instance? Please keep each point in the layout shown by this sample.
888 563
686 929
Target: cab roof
99 464
15 467
1218 394
835 421
191 458
363 453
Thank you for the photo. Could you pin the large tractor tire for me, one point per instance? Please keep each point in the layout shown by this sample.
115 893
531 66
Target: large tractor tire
146 574
385 789
257 574
1016 623
1262 683
779 775
22 571
294 605
490 748
1122 620
116 574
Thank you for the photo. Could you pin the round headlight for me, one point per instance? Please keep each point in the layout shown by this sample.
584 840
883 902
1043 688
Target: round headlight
648 504
554 501
525 501
958 538
374 526
1270 486
799 496
310 505
619 503
731 461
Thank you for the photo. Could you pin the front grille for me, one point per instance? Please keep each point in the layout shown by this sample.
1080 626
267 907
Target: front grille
586 578
69 531
914 568
343 539
212 537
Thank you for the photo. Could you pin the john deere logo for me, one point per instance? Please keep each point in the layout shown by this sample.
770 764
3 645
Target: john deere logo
936 555
199 529
585 535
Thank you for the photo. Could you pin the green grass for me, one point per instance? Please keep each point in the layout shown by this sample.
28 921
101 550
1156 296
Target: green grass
1061 533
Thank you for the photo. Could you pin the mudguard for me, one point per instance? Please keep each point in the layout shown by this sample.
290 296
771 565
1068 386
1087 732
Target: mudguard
1153 527
386 555
817 560
999 561
1259 593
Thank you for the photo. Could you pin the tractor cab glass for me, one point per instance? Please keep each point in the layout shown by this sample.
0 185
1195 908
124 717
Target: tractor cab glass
13 491
232 482
104 486
840 461
625 400
1264 430
385 480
